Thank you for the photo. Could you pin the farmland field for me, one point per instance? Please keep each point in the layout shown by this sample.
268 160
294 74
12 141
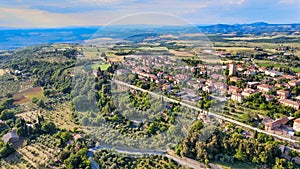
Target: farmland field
265 63
3 71
39 154
102 66
27 95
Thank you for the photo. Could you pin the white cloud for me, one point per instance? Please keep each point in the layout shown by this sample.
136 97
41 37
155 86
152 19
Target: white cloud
233 2
288 1
18 17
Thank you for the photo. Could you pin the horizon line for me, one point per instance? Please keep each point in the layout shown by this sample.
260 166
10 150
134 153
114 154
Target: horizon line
97 26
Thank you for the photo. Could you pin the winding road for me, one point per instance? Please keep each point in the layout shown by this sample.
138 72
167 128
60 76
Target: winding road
140 152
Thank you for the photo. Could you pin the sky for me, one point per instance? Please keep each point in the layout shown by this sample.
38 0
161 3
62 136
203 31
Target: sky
62 13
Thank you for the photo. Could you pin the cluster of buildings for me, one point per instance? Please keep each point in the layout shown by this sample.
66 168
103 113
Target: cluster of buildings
280 91
175 76
178 78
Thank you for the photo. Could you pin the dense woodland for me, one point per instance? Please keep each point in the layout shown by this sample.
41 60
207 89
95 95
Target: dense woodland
231 146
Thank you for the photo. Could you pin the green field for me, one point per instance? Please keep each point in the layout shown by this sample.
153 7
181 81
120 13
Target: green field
265 63
37 94
237 165
102 66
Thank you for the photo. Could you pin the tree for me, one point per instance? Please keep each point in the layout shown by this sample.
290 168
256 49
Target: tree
8 103
6 149
7 114
240 155
47 92
35 100
78 160
49 128
41 104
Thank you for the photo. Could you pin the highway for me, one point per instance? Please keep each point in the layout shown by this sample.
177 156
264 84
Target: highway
208 113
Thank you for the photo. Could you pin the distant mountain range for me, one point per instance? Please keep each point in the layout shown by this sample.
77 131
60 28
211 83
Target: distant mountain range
12 38
257 28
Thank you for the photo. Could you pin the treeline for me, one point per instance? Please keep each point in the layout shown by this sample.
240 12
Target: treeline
231 146
113 160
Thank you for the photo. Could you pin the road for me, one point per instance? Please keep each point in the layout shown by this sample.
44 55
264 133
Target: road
139 152
208 113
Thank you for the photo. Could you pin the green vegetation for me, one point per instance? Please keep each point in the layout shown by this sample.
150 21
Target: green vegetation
122 161
267 63
37 115
102 66
228 146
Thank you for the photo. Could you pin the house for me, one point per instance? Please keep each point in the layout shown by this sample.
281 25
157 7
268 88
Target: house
121 72
234 79
273 73
278 78
297 98
201 80
283 94
287 85
296 125
198 86
232 68
209 89
253 85
265 88
262 69
247 92
233 89
269 97
276 123
220 86
166 87
10 137
237 97
78 136
294 82
250 72
291 77
240 67
290 103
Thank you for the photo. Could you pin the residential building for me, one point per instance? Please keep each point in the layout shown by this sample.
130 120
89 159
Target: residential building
209 89
294 82
276 123
232 69
240 67
10 137
265 88
166 87
234 79
290 103
273 73
233 89
237 97
247 92
283 94
121 72
296 125
297 98
269 97
253 85
291 77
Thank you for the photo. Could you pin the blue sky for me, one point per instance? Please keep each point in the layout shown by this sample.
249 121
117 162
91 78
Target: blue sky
60 13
